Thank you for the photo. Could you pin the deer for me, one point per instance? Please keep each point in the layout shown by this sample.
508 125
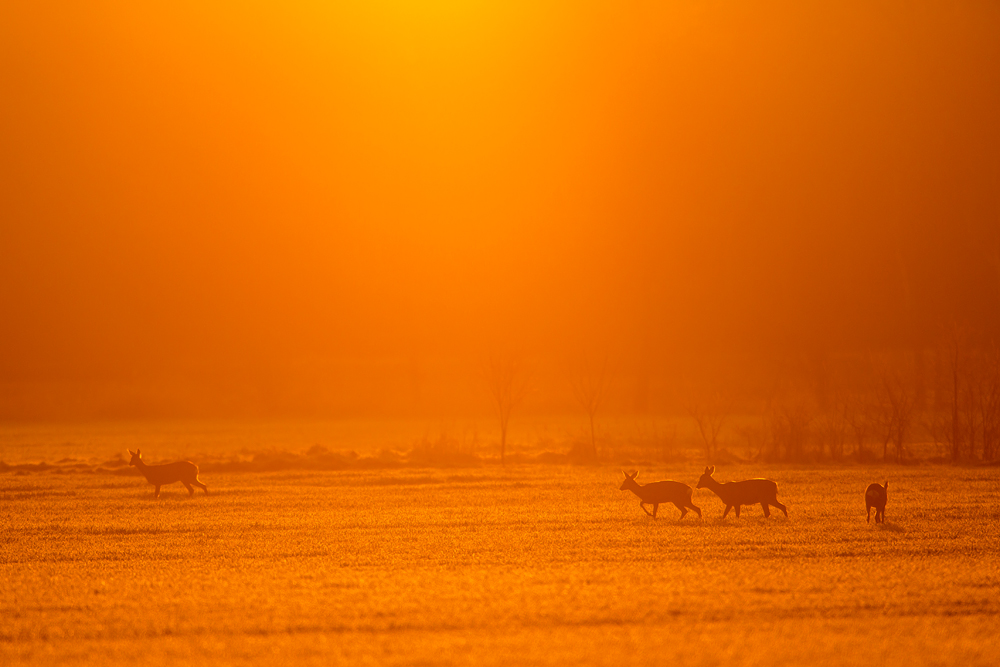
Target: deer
746 492
168 473
655 493
875 496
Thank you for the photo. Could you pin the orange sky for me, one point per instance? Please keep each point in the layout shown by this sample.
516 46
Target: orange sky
214 195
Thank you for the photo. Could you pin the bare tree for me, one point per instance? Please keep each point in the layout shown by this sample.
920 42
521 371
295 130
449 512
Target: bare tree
894 406
760 436
859 415
754 435
976 410
590 386
832 429
507 384
709 413
790 428
667 443
968 405
956 428
937 426
988 404
649 441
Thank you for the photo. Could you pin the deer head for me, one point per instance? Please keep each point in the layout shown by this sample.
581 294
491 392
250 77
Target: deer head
629 481
135 457
706 478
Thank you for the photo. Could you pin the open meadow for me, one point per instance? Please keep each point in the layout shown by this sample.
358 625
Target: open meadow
537 564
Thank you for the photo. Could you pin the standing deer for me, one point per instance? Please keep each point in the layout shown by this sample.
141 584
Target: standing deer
168 473
655 493
875 496
747 492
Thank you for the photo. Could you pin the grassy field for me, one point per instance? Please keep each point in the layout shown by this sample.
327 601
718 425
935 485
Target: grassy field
529 564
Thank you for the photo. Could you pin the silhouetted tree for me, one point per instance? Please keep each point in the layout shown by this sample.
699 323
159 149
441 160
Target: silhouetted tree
709 412
755 436
859 415
988 403
894 405
590 386
832 428
507 385
790 428
956 428
967 406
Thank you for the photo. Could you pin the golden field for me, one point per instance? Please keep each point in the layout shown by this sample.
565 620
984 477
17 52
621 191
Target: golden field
537 564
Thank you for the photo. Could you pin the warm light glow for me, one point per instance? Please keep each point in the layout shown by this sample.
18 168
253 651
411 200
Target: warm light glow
499 332
215 195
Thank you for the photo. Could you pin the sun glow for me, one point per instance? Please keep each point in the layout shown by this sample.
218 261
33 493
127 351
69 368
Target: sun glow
198 192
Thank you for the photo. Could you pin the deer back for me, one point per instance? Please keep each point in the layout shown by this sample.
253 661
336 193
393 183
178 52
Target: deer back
875 495
181 471
748 491
666 491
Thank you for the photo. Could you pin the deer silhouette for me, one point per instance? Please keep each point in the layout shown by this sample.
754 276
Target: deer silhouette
875 497
655 493
747 492
168 473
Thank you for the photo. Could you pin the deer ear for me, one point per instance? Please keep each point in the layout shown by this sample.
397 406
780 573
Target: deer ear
635 474
886 485
625 473
712 471
130 452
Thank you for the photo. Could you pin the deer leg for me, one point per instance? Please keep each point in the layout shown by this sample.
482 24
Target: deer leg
767 510
643 506
781 507
656 508
737 508
157 494
682 509
696 509
198 483
189 488
728 507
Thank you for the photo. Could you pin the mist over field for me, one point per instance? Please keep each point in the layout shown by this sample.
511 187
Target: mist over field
221 209
413 283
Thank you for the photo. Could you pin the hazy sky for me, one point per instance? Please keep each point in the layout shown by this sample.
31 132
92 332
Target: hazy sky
219 195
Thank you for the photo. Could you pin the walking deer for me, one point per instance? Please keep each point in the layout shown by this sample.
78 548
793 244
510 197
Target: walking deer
168 473
875 496
655 493
747 492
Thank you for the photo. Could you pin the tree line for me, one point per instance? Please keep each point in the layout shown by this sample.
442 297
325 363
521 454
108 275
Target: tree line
863 407
878 415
